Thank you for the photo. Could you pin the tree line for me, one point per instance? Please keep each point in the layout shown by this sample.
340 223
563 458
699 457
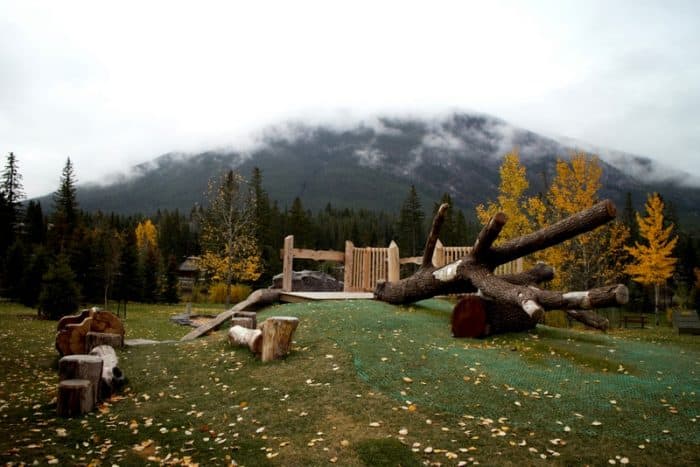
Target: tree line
57 260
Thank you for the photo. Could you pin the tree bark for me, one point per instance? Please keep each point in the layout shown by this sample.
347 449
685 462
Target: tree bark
88 367
74 397
239 335
277 335
474 273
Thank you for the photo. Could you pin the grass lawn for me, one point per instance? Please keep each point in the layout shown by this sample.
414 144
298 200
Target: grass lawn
366 384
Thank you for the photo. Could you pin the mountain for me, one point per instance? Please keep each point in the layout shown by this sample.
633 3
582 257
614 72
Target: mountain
371 164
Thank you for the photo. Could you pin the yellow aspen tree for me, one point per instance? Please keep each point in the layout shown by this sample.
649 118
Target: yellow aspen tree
595 258
654 262
512 199
146 235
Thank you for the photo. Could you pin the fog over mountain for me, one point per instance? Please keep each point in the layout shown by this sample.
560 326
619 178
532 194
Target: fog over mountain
371 164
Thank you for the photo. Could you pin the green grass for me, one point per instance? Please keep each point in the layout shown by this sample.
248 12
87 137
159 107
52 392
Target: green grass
366 384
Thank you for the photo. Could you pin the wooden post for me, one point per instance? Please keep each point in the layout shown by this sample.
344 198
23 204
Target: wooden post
75 397
87 367
366 262
393 259
288 263
439 255
277 334
347 274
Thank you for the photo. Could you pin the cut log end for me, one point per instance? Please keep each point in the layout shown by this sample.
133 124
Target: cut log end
469 317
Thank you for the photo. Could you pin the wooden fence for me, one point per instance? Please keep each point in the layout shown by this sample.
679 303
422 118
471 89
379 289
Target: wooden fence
364 267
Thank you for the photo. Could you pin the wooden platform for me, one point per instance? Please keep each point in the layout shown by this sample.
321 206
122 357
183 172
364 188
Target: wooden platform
298 297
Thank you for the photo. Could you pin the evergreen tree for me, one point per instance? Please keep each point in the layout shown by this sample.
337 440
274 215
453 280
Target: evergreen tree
299 224
37 265
65 217
15 262
149 277
128 281
60 294
629 219
170 292
11 186
411 229
263 227
34 226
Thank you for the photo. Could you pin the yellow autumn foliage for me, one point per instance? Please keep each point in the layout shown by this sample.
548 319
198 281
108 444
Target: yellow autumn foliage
146 235
512 200
653 261
592 259
216 267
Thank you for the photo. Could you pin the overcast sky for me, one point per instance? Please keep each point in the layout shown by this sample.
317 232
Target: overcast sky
112 84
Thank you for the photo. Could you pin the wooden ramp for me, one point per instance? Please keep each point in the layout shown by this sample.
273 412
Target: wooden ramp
257 299
297 297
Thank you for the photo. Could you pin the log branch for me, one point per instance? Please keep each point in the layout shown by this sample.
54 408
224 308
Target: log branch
513 292
433 236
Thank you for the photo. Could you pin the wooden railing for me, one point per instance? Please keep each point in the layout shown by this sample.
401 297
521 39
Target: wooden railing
364 267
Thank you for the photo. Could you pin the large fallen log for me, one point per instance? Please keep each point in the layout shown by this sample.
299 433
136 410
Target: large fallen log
474 273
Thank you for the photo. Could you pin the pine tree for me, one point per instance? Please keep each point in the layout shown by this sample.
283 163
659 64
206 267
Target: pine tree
34 226
65 199
170 292
65 216
653 261
11 185
60 294
411 229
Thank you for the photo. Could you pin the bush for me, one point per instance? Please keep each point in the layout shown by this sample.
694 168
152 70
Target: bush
60 294
217 292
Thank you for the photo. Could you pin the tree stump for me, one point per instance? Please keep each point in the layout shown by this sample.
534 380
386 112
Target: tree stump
469 317
239 335
87 367
243 322
94 339
75 397
248 314
277 334
72 330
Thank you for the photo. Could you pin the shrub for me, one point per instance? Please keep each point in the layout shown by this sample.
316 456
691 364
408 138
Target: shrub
60 294
217 292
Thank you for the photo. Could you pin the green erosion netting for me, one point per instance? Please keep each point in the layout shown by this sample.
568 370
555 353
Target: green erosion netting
593 383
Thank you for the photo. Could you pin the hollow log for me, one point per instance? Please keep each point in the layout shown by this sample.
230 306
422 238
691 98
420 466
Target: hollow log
473 273
88 367
239 335
74 397
277 335
112 377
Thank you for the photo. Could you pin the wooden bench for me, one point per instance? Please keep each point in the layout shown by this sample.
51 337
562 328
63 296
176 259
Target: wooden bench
686 322
634 319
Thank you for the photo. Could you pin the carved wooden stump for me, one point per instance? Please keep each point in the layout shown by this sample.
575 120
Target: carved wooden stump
75 397
277 335
87 367
239 335
70 339
93 339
